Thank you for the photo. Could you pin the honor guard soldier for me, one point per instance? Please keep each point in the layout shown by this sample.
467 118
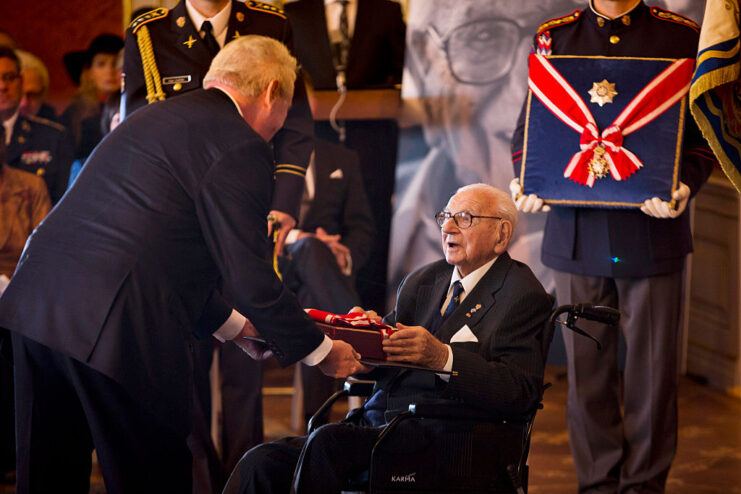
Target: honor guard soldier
168 53
627 258
35 145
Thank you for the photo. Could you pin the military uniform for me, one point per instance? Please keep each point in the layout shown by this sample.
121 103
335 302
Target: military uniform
42 147
626 259
181 60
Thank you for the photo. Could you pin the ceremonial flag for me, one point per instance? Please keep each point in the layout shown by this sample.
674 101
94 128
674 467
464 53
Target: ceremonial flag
715 94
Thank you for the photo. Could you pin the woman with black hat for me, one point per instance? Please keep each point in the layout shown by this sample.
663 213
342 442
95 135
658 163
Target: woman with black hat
97 73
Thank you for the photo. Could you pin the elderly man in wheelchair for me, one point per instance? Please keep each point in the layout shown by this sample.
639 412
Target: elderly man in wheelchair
477 322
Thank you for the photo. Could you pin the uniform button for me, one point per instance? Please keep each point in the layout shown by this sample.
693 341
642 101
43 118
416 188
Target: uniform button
177 87
614 39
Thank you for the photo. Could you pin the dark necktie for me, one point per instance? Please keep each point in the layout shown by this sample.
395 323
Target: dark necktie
208 38
342 48
455 300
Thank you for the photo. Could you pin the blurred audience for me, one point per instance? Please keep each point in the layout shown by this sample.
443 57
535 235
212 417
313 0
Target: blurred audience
24 202
35 145
362 43
35 78
97 72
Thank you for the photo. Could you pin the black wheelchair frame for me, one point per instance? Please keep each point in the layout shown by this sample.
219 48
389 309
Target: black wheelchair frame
517 473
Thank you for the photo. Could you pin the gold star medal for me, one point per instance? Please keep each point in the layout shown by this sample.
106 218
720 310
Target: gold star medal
180 21
602 92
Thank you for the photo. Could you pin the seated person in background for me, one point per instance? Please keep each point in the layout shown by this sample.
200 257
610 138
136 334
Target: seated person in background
97 72
35 145
35 86
333 240
477 312
24 202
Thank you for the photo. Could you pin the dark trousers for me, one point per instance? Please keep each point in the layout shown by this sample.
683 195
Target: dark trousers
64 409
628 452
7 413
333 453
241 413
312 273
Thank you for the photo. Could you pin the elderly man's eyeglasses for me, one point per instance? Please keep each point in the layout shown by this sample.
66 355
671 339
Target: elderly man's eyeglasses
8 77
462 219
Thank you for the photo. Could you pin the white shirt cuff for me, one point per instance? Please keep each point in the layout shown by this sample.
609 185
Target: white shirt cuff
448 365
292 236
319 354
231 328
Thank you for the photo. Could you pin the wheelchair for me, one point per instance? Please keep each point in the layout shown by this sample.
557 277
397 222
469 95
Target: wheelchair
452 448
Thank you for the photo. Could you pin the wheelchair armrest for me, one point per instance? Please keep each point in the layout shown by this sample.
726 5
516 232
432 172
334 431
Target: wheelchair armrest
458 411
352 387
359 387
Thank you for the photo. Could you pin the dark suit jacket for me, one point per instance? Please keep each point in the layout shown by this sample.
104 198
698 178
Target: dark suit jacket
586 240
125 269
176 57
42 147
501 373
340 204
376 57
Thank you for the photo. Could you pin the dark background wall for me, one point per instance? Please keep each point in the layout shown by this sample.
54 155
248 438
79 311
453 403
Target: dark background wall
49 29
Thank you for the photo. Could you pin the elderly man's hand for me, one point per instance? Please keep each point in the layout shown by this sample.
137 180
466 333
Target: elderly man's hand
370 314
416 345
342 361
660 209
526 203
287 222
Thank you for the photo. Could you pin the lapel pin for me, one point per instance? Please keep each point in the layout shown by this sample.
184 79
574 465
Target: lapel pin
236 34
180 21
190 41
240 16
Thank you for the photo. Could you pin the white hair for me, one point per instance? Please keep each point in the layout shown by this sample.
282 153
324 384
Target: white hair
250 63
500 201
29 61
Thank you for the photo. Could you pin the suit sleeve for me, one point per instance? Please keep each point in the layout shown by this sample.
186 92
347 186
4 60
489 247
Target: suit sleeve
398 44
134 94
232 203
293 145
357 221
510 383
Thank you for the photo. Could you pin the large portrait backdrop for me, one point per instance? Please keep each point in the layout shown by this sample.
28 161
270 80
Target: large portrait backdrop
465 81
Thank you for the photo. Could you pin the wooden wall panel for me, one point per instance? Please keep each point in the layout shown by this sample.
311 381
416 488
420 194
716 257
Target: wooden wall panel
49 29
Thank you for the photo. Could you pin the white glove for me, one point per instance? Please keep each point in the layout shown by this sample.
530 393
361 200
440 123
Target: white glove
660 209
526 203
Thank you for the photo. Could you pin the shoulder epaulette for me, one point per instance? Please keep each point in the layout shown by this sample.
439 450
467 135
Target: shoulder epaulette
559 21
146 17
666 15
44 121
265 7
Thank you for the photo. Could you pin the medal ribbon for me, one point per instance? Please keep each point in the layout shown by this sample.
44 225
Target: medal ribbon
550 87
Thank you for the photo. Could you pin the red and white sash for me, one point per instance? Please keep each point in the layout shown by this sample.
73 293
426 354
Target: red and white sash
549 86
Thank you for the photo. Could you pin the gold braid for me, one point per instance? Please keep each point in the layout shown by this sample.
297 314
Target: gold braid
149 65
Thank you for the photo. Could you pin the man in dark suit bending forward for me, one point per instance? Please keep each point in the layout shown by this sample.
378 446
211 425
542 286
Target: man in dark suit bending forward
477 312
116 283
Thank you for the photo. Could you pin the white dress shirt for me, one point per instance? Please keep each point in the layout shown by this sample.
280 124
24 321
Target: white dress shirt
469 282
219 22
333 9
